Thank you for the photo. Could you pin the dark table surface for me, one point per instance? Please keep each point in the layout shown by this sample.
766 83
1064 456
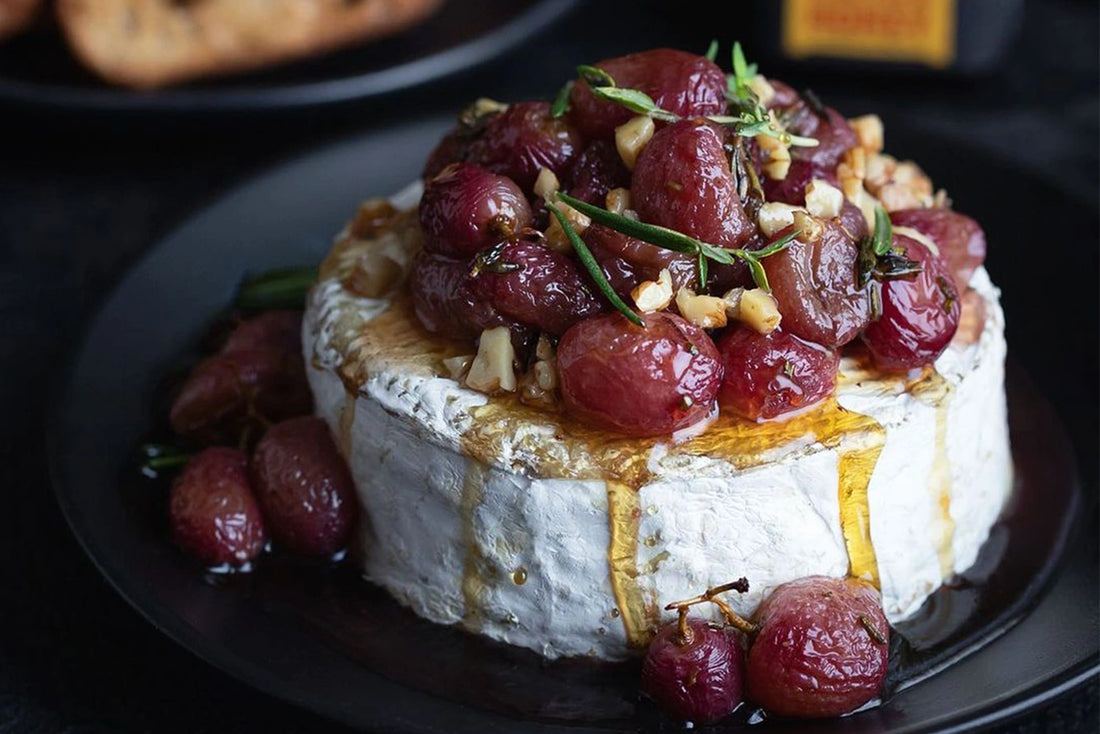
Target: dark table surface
81 196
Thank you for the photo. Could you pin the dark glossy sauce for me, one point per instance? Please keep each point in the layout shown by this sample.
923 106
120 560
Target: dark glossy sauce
361 621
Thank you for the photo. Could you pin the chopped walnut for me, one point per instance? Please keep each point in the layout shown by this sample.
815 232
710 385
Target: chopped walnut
869 131
650 296
457 367
547 184
762 88
492 370
775 216
777 157
708 312
556 238
755 307
617 201
810 229
632 137
823 200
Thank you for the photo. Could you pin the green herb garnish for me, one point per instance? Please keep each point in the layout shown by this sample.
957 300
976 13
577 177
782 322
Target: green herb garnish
670 239
877 257
593 267
162 457
561 102
284 288
712 50
636 101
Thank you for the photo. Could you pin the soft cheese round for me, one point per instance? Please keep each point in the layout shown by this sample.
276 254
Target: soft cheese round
525 528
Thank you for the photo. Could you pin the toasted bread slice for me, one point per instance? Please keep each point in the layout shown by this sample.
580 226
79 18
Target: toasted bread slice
154 43
15 15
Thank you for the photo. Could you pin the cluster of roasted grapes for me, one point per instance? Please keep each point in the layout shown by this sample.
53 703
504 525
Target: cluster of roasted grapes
486 262
816 647
266 469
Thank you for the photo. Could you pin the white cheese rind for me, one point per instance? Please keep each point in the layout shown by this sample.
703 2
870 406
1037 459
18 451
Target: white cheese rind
453 540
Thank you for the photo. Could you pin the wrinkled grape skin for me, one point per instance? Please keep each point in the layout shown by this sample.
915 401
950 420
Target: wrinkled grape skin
919 315
304 487
680 82
834 134
445 302
212 511
258 377
812 657
815 286
624 378
960 239
548 291
767 375
852 221
598 169
627 262
682 181
700 681
524 139
466 209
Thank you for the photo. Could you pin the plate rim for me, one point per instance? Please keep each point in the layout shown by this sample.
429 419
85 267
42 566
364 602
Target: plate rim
259 678
349 88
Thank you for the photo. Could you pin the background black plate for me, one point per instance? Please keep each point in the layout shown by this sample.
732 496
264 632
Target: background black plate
37 69
285 218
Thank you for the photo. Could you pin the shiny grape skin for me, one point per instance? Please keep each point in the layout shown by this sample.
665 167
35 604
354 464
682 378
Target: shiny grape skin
812 656
304 487
466 209
640 382
547 291
682 83
700 680
212 510
524 139
444 299
598 169
792 188
627 262
768 375
815 285
959 238
919 314
682 181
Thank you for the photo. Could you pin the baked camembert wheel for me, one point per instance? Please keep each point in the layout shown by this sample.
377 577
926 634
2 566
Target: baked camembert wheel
677 327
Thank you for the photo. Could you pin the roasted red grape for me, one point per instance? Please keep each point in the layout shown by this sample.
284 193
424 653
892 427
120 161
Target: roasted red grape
919 314
537 286
792 189
682 83
524 139
466 209
830 128
304 487
768 375
641 382
444 299
279 330
240 389
696 678
959 238
815 284
821 648
627 261
682 181
852 221
212 510
597 170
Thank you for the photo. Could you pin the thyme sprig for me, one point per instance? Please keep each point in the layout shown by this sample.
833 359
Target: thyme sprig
588 260
670 239
878 259
284 288
752 120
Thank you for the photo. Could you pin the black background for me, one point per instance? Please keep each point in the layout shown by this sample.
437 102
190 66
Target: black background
82 195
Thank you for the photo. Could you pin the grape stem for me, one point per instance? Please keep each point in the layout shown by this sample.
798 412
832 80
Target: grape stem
733 619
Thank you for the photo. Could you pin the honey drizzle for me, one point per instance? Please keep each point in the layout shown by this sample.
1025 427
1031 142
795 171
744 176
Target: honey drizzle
473 584
940 486
624 514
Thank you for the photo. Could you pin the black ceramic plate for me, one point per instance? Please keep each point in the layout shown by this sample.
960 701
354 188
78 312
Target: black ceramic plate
331 643
38 70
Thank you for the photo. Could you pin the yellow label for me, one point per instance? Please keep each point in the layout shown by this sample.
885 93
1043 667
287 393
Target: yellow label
921 31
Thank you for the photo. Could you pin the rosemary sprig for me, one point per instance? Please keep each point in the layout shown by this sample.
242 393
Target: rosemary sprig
753 119
285 288
162 457
593 267
636 101
712 50
670 239
561 102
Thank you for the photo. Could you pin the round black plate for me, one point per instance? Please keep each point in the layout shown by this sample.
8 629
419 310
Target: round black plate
286 217
38 70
